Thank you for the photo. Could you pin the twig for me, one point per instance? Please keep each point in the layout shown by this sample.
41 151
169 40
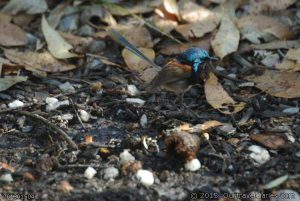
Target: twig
64 135
77 115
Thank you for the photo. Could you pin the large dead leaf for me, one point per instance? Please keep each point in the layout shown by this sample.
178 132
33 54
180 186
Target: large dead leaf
253 27
9 81
273 141
291 62
171 7
178 48
149 74
136 63
279 84
270 46
137 35
11 35
192 12
218 98
198 29
37 61
57 46
164 25
267 5
227 38
29 6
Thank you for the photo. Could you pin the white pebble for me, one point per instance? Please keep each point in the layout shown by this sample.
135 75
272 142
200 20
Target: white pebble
51 100
143 121
132 90
89 173
15 104
84 115
259 154
291 110
110 173
145 177
6 178
192 165
55 105
135 101
126 157
66 87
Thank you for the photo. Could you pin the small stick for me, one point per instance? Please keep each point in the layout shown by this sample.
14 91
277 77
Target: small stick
64 135
77 115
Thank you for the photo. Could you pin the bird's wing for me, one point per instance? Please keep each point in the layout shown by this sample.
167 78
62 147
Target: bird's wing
172 72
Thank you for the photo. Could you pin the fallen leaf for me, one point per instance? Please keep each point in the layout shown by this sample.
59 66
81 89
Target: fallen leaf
227 38
192 12
37 61
76 40
197 29
149 74
137 35
205 127
270 46
218 98
65 187
136 63
267 5
272 141
279 84
29 6
178 48
164 25
8 81
253 27
288 65
57 46
293 54
11 35
139 7
172 7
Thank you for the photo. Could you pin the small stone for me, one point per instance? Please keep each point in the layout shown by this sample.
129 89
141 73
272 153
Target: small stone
259 154
132 90
145 177
51 100
110 173
66 87
66 116
65 187
271 60
53 103
291 110
219 68
192 165
86 30
3 106
95 64
6 178
89 173
135 101
84 115
144 121
97 46
126 157
15 104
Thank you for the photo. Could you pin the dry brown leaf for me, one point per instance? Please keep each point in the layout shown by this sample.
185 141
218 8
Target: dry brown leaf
11 35
178 48
267 5
279 84
65 187
253 27
149 74
136 63
142 7
57 46
273 141
218 1
206 126
270 46
192 12
76 40
164 25
29 6
37 61
293 54
137 35
288 65
8 81
218 98
171 7
197 29
227 38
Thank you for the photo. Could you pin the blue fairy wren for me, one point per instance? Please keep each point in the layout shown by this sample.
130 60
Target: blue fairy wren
179 74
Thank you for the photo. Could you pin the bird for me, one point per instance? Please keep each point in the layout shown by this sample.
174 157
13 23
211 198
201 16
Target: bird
179 74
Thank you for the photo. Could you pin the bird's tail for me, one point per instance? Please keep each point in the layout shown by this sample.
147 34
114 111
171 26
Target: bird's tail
123 41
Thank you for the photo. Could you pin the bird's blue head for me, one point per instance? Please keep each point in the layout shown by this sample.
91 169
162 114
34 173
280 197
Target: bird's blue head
194 57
